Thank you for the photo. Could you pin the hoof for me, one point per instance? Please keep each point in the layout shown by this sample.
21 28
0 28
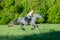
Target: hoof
23 28
32 28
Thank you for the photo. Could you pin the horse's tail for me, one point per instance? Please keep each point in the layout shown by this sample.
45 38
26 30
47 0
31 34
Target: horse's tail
10 25
15 21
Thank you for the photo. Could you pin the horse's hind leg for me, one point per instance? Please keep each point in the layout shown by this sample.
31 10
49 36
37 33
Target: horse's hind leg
22 26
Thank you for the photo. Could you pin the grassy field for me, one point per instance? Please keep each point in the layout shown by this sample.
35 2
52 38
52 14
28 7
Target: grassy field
45 32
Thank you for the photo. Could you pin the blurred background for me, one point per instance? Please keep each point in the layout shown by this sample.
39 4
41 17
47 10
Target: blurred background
12 9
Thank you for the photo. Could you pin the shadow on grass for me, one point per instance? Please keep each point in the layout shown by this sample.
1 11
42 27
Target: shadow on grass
46 36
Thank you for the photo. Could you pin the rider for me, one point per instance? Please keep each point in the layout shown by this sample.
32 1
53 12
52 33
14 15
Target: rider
29 15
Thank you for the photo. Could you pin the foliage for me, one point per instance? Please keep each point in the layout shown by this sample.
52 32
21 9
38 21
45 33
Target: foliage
11 9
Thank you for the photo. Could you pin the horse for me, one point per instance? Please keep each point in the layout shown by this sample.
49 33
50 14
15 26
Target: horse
22 21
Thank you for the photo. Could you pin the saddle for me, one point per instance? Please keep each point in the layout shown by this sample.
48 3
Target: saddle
26 18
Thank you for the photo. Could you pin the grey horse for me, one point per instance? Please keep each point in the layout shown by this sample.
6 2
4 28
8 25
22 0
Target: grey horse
22 21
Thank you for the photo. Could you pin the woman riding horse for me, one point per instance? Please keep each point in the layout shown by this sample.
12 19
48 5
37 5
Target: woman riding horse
29 16
21 21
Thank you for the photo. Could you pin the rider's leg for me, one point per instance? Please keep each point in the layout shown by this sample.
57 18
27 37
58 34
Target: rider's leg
28 21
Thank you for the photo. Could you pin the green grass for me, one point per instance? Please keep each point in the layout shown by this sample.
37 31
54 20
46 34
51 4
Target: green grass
45 32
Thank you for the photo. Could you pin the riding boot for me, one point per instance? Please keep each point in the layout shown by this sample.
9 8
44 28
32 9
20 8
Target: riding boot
28 22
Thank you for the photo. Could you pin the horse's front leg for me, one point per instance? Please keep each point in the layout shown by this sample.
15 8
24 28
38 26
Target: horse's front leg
35 25
22 26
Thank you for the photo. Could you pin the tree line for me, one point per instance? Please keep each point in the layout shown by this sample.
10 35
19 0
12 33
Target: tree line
12 9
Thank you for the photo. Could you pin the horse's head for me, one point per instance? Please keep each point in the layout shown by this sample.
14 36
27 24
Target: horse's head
38 16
